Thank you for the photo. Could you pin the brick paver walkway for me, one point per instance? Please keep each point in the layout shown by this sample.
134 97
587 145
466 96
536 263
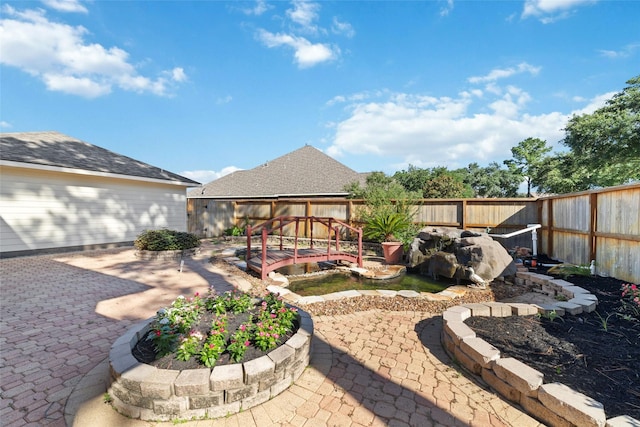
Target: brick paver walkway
60 315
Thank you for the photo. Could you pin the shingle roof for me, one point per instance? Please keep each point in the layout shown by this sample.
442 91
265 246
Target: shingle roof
58 150
306 171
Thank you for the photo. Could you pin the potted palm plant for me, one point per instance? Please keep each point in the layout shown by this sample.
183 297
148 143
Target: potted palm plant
387 228
387 213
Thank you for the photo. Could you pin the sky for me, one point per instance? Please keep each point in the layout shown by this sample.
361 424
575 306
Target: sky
204 88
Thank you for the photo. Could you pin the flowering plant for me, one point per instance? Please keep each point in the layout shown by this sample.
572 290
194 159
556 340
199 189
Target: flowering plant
240 341
631 299
175 329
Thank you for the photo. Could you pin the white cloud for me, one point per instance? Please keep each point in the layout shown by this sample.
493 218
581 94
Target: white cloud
548 11
443 131
224 100
66 5
301 22
304 13
260 7
344 28
498 73
5 125
306 54
206 176
59 55
625 52
445 10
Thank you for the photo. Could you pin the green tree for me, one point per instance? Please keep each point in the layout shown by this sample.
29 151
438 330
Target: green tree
528 156
608 140
492 181
388 210
446 185
414 178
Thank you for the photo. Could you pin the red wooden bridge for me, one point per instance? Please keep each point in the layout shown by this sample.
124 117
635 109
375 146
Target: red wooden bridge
269 259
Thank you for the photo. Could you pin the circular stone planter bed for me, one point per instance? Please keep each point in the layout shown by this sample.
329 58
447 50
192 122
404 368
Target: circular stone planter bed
142 391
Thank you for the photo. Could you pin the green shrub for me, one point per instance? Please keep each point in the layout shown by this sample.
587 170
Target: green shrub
165 240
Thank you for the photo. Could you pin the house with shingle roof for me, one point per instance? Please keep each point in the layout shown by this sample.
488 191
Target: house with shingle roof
283 186
59 193
305 172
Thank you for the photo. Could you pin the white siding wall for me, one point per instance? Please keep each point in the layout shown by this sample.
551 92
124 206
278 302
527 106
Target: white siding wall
42 210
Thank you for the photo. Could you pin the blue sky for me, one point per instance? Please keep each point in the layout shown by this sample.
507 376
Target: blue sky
202 88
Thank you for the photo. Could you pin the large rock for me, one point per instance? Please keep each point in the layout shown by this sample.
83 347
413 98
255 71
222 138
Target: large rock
459 254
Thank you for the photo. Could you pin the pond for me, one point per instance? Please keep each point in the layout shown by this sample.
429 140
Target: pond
339 281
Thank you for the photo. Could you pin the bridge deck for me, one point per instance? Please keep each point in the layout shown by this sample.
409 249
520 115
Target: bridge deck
279 258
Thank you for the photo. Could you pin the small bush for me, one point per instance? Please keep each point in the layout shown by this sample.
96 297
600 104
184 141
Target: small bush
165 240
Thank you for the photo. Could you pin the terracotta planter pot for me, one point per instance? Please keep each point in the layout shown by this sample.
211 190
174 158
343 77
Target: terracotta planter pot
393 252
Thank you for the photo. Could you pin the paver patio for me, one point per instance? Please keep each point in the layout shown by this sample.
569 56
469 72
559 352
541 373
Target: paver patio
61 313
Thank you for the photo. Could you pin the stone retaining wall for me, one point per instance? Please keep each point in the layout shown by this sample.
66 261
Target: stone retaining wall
145 392
554 403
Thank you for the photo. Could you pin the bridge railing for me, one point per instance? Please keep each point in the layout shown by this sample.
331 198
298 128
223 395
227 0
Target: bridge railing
277 224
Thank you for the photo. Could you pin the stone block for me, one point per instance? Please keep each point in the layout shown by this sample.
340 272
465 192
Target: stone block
387 293
126 409
223 410
623 421
300 343
281 385
447 343
192 382
258 369
173 406
560 284
548 310
282 356
137 374
408 294
458 331
206 401
466 361
478 309
505 389
574 291
239 394
587 305
457 313
271 380
255 400
499 309
159 385
541 412
480 351
520 376
226 376
520 309
571 405
306 323
570 307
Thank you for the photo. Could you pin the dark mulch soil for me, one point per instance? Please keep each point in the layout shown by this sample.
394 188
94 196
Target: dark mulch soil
145 353
577 350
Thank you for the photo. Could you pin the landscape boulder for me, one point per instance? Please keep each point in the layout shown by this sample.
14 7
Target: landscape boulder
459 254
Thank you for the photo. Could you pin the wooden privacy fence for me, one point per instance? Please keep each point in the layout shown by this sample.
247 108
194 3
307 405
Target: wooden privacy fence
601 225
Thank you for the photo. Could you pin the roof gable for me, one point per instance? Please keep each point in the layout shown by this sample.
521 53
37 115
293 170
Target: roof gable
58 150
303 172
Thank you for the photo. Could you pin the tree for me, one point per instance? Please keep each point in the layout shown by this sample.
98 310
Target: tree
492 181
608 140
528 156
414 178
388 210
445 186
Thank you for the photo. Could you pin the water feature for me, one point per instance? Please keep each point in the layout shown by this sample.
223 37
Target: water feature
328 282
